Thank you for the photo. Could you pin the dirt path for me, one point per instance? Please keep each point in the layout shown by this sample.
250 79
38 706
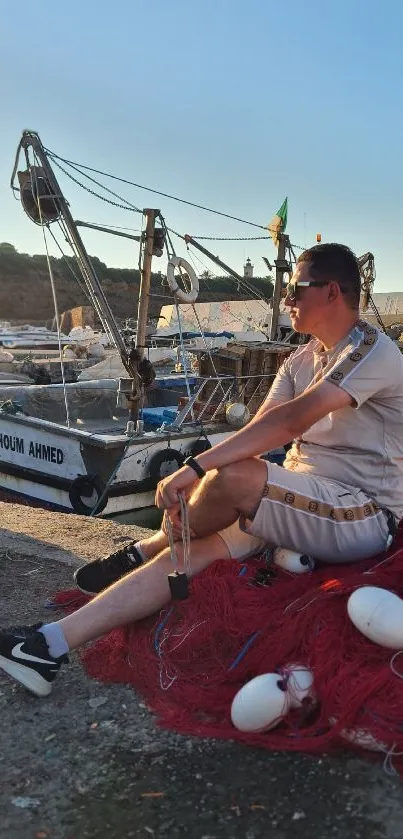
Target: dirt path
89 761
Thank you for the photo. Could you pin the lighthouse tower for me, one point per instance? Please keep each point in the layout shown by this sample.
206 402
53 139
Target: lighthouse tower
248 269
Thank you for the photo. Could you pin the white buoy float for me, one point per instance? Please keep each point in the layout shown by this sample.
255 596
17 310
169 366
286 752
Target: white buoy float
292 561
182 294
237 415
261 704
299 684
378 614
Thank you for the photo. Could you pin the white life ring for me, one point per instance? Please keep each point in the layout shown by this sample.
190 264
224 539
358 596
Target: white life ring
185 296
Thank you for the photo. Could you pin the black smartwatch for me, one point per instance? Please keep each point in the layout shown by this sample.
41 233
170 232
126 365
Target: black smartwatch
190 461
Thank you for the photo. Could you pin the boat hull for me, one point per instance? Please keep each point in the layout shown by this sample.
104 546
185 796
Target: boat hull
44 462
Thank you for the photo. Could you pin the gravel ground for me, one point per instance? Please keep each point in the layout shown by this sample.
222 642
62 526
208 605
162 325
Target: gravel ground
89 762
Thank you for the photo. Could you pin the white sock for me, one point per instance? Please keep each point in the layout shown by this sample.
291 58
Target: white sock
138 547
55 639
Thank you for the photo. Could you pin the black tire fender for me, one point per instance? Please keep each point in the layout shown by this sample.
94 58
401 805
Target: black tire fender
199 446
164 462
86 485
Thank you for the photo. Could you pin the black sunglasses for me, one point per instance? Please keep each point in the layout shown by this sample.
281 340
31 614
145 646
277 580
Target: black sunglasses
291 289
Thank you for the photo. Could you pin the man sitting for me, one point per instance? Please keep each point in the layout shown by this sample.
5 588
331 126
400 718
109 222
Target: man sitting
338 497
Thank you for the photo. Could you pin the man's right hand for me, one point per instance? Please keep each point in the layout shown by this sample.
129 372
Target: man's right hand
182 481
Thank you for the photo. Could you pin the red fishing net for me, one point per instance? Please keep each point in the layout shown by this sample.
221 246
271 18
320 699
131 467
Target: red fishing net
191 659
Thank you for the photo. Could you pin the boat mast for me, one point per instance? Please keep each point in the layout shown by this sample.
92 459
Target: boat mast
282 267
144 295
107 230
96 293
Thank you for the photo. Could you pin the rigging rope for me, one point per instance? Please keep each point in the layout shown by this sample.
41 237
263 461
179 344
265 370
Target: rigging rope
168 241
64 256
112 477
185 537
124 456
376 311
52 283
86 290
79 166
142 246
88 286
241 282
251 316
115 226
207 348
229 238
127 206
193 305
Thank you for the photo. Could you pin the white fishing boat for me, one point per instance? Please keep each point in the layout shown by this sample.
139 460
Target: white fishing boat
100 447
31 337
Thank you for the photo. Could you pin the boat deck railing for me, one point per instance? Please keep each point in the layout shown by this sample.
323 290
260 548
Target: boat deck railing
211 398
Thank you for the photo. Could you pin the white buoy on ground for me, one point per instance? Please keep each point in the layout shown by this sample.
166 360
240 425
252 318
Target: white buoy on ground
237 414
292 561
378 614
260 704
299 684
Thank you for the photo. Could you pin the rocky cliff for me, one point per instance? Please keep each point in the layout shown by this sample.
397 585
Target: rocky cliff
26 294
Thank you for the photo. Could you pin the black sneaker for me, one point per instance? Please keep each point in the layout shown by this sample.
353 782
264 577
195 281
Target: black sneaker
25 656
95 576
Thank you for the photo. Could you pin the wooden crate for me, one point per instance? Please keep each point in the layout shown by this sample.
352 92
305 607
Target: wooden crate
263 362
243 360
227 362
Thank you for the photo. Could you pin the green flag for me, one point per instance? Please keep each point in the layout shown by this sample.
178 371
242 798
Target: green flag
278 223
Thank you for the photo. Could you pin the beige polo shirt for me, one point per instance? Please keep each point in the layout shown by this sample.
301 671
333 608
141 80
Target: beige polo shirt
359 446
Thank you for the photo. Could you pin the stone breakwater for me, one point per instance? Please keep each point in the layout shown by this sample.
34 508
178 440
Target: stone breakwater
64 537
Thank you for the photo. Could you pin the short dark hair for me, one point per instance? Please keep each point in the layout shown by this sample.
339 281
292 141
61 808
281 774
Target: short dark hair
331 261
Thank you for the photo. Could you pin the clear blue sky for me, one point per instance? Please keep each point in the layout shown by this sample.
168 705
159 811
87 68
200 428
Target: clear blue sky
230 104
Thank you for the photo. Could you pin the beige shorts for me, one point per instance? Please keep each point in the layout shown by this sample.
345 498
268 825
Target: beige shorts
317 516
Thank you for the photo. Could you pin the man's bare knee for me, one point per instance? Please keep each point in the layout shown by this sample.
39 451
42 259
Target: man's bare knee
226 493
241 484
